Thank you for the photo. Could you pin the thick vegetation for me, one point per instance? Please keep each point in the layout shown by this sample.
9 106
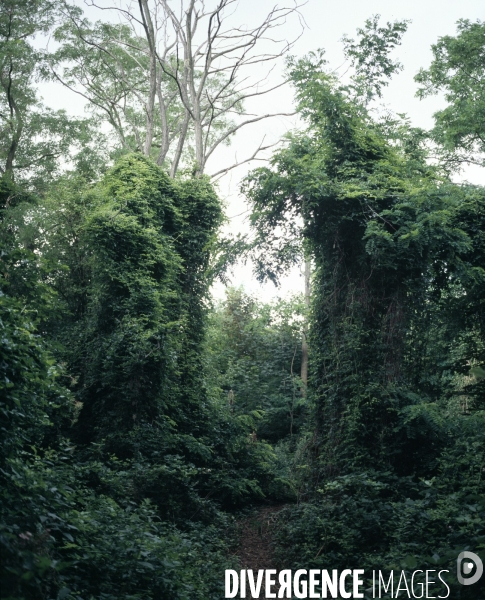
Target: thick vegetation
397 417
137 418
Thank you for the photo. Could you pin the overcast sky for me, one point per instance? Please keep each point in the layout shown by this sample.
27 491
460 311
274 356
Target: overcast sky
326 23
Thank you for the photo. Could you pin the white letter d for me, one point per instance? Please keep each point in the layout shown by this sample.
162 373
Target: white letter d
231 574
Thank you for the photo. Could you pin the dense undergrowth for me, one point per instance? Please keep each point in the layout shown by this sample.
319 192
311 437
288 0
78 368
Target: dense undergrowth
395 436
117 462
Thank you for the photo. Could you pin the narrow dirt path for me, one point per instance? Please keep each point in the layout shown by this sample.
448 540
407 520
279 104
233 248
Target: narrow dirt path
255 549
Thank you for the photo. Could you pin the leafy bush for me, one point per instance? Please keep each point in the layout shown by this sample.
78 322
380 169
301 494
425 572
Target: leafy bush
379 521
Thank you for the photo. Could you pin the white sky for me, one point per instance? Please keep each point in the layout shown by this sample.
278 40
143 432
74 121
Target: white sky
327 21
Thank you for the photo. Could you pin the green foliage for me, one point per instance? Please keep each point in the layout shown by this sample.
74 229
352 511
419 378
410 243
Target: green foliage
254 360
137 254
124 263
35 137
123 352
27 382
394 465
61 540
378 521
375 220
458 70
370 56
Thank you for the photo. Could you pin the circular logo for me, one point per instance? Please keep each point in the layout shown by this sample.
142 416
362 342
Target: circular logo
465 563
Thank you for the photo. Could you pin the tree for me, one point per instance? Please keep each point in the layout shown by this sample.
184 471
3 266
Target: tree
372 67
171 77
369 56
458 70
107 64
123 266
396 323
33 138
368 210
138 333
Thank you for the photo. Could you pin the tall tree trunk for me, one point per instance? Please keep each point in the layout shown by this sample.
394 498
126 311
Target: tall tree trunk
194 95
199 144
180 145
150 105
16 125
165 142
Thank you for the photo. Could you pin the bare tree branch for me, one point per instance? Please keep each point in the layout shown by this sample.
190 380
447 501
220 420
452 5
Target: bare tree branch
196 70
259 149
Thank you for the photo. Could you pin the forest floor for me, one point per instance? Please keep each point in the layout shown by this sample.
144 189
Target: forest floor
255 550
